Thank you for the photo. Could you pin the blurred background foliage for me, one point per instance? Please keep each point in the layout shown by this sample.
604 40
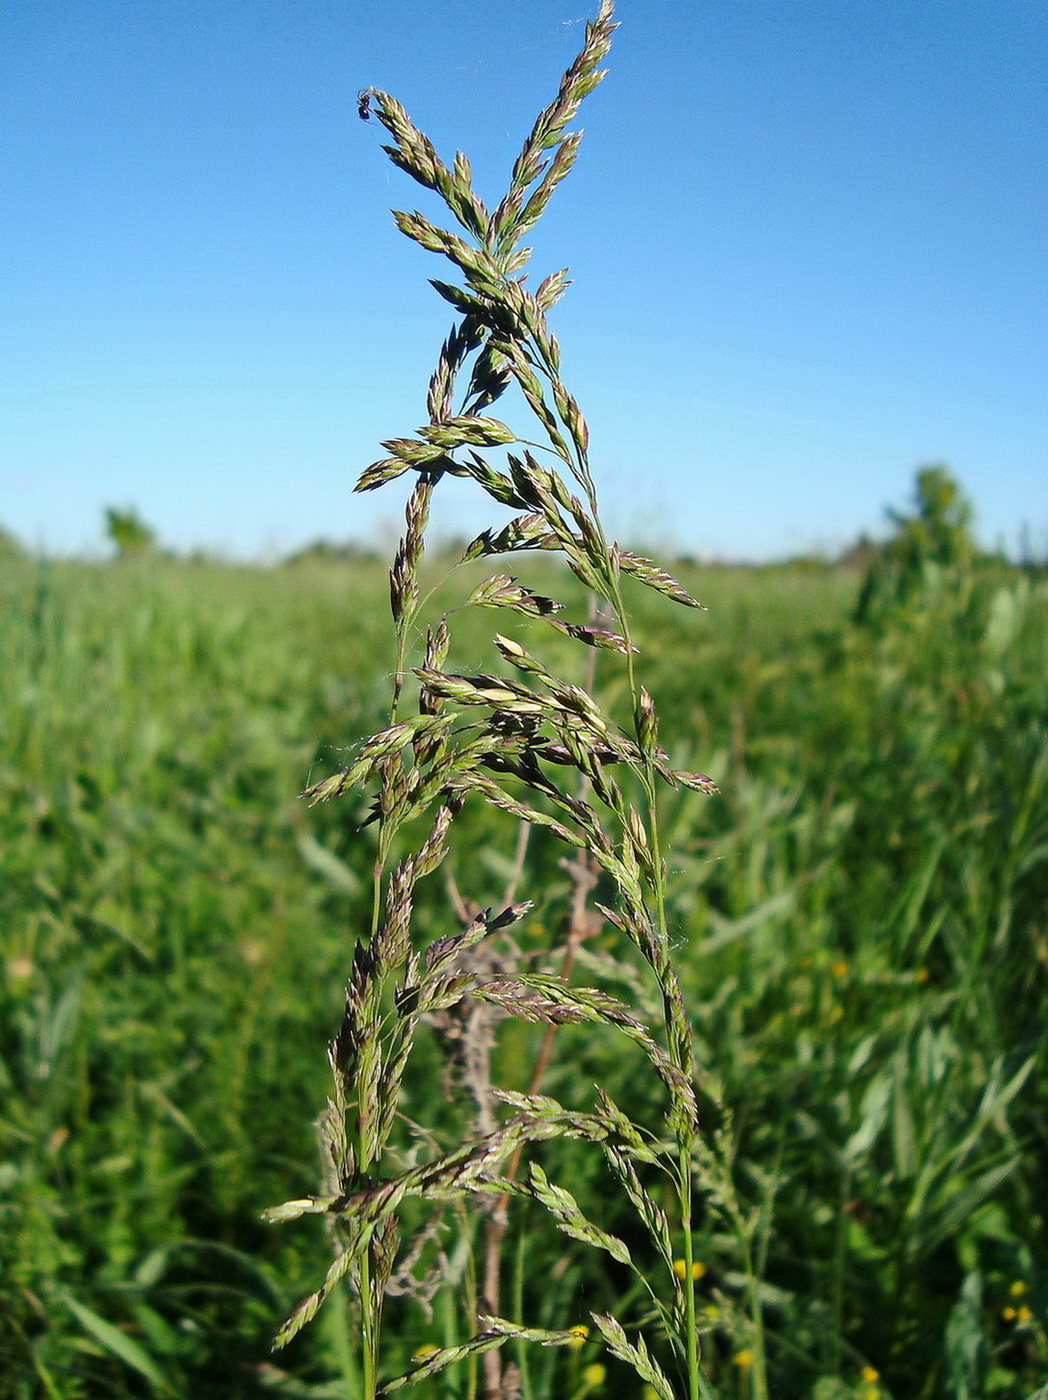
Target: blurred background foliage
863 926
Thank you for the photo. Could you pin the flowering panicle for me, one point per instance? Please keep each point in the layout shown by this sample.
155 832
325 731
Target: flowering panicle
511 739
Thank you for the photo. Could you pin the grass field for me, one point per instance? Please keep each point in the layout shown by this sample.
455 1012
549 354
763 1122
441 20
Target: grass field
863 927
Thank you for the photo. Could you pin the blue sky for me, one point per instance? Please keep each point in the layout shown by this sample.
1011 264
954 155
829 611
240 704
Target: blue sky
809 241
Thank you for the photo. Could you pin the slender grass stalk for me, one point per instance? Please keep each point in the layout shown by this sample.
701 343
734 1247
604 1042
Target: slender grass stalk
505 738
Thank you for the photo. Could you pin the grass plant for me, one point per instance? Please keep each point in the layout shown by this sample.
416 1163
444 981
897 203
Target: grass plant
540 749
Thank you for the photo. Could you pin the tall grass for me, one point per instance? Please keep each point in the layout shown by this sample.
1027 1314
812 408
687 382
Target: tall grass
539 748
861 915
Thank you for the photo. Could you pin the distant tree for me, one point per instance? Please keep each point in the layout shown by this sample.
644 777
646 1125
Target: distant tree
860 554
10 547
129 532
940 529
935 537
327 552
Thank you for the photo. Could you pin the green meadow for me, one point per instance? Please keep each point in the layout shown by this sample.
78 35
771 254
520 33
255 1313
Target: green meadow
861 919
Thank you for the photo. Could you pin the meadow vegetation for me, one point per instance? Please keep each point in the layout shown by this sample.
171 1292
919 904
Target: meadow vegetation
834 1179
860 921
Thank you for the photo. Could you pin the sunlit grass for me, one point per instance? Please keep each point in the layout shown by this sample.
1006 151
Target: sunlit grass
863 913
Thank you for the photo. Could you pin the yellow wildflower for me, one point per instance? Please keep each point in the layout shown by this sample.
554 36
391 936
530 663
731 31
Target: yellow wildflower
869 1375
839 968
594 1375
578 1334
680 1268
1018 1289
742 1359
1009 1314
921 975
1023 1316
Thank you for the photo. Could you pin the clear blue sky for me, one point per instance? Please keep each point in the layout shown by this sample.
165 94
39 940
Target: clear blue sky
809 241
